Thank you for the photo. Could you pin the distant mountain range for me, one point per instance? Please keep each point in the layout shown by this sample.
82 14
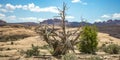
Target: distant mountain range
58 22
76 24
70 24
25 23
111 27
108 22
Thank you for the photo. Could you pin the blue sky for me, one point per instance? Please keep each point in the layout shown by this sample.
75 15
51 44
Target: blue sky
39 10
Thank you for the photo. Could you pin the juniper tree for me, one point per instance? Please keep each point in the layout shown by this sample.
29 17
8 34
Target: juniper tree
88 39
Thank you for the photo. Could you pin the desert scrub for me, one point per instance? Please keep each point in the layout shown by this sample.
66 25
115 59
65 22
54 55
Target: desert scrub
95 58
88 40
112 49
33 51
13 37
45 47
50 49
69 56
12 34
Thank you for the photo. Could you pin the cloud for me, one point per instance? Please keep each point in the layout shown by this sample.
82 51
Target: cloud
32 19
10 7
98 20
28 18
2 16
34 8
0 5
31 7
3 10
24 7
70 17
79 1
111 16
50 9
75 1
105 16
18 6
116 16
13 17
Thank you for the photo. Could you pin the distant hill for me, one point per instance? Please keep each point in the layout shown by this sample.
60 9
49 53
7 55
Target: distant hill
24 23
2 22
69 24
76 24
108 22
111 27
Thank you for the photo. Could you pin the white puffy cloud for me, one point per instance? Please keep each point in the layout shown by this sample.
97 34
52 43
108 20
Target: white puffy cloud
10 7
70 17
41 19
105 16
28 18
112 16
116 16
75 1
50 9
5 10
2 16
31 19
31 7
18 6
34 8
79 1
98 20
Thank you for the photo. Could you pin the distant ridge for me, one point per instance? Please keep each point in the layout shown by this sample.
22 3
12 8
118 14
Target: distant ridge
76 24
58 22
70 24
24 23
2 22
108 22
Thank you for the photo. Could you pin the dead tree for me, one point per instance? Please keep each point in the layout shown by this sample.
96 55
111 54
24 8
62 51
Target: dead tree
59 40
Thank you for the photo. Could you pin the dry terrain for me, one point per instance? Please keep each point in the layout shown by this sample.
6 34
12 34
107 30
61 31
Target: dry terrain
12 48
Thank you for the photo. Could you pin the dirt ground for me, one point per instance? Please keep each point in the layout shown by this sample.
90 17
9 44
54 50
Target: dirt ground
9 51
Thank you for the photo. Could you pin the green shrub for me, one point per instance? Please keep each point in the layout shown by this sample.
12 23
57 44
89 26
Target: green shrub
88 39
112 49
33 52
69 56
